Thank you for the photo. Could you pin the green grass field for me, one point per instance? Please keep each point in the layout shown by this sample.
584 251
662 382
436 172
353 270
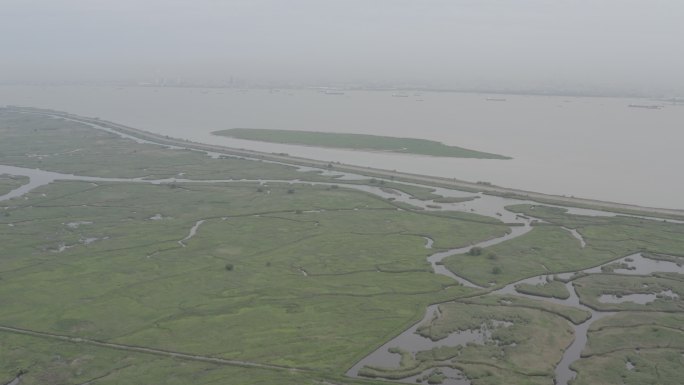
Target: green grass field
652 366
70 147
56 362
544 250
356 142
553 289
138 285
634 348
9 183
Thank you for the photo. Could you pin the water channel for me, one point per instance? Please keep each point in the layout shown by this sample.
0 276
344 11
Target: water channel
487 205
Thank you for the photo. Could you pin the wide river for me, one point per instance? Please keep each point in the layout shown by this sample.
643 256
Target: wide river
585 147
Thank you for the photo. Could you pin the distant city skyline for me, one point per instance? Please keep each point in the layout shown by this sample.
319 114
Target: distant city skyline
611 46
567 90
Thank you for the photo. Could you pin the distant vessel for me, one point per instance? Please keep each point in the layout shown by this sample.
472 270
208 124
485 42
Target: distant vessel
400 95
333 92
495 99
646 106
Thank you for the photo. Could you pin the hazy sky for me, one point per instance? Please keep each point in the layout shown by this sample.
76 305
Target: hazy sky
509 43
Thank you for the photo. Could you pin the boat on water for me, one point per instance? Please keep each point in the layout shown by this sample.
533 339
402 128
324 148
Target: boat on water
400 95
496 99
333 92
646 106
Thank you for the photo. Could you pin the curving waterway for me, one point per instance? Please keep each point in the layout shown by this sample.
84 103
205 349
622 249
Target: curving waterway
491 206
487 205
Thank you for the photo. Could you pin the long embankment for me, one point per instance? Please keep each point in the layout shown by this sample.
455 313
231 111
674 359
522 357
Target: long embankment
146 350
368 171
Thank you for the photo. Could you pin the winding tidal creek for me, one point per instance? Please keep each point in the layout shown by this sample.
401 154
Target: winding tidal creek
487 205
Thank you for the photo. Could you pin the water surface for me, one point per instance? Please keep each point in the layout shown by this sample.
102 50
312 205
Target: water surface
560 145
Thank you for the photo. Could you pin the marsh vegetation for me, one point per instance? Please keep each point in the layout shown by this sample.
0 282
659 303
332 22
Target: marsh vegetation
356 142
152 264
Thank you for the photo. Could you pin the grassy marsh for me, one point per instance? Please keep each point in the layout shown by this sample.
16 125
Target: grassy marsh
356 142
633 348
549 248
552 289
10 182
318 275
510 339
592 287
306 277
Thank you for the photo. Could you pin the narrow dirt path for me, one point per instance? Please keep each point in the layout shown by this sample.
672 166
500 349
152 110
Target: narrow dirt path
146 350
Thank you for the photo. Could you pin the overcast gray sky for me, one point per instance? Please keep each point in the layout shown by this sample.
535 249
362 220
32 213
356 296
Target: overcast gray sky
511 43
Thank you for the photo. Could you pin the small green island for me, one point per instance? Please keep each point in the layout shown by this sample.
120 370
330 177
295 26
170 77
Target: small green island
356 142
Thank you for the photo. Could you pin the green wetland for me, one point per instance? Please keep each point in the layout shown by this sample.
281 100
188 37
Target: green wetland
126 261
356 142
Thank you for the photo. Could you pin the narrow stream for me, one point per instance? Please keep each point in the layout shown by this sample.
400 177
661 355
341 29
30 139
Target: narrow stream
577 235
412 342
563 373
193 231
436 259
16 380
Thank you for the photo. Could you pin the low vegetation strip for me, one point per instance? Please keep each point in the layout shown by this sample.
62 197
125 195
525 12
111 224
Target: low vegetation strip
356 142
630 367
552 289
574 315
9 183
142 349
